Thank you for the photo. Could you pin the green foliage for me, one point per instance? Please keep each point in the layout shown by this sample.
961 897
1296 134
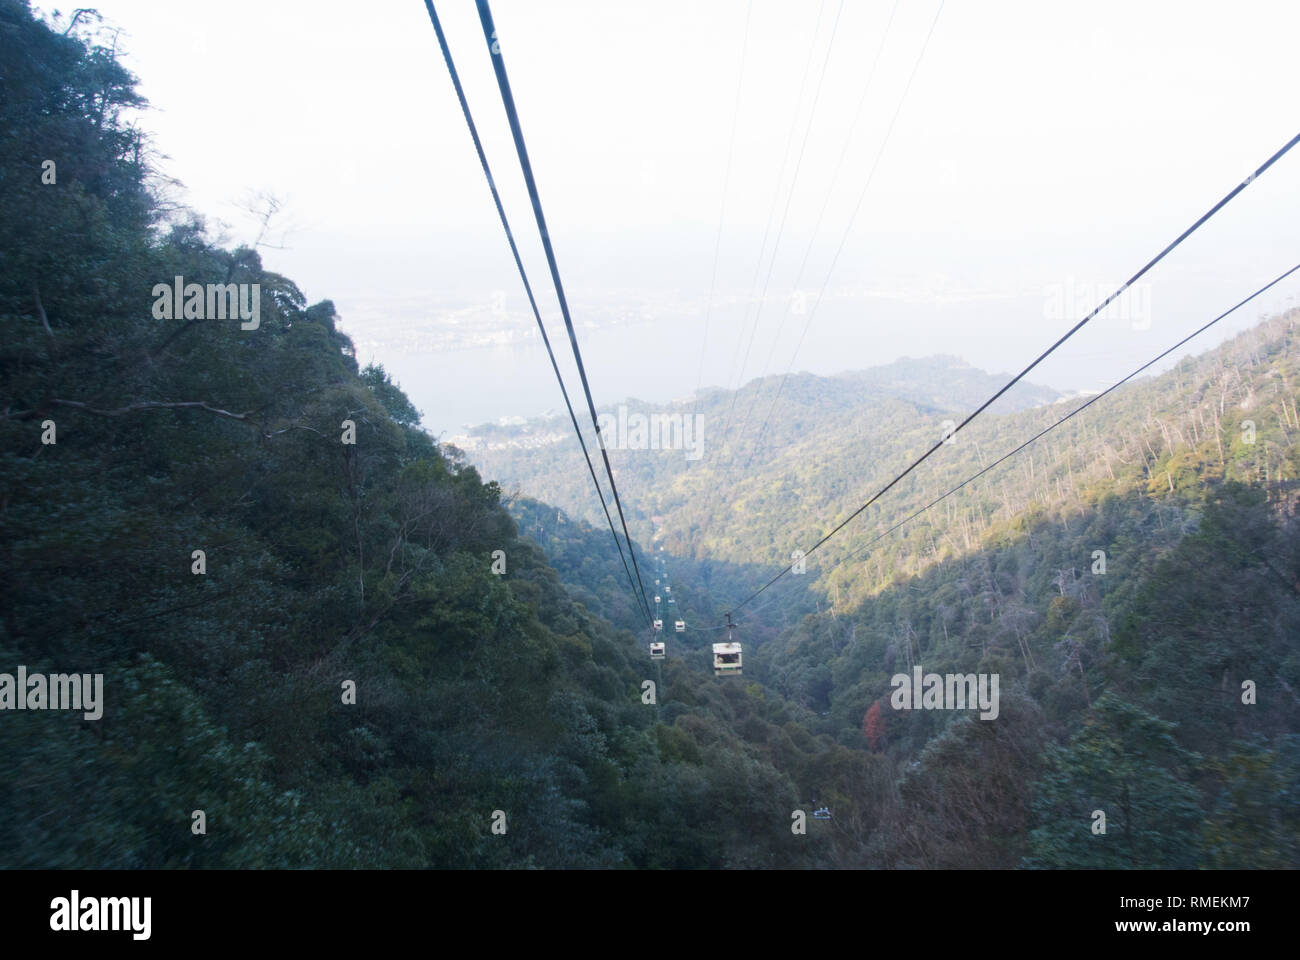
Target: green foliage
1256 821
1126 763
371 563
326 563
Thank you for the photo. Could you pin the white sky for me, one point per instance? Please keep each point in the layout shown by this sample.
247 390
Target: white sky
1041 143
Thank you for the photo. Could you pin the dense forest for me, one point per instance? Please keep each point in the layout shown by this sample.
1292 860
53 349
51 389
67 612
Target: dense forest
330 634
325 563
1124 576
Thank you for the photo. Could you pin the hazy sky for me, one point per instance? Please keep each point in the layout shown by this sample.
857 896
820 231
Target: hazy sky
1042 147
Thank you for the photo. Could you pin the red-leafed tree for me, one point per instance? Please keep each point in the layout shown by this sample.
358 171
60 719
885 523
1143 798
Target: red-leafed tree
873 726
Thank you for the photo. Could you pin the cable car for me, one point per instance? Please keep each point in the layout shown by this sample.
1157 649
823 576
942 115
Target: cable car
656 583
656 651
672 601
657 600
681 626
726 659
659 624
726 656
668 589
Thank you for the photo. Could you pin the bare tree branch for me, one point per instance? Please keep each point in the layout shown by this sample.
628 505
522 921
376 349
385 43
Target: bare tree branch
292 426
77 14
149 405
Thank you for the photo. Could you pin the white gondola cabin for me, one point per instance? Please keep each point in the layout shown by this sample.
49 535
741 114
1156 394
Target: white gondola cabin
656 651
726 659
659 624
681 626
657 600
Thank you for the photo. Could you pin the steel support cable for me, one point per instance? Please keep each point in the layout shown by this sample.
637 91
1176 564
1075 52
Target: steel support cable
771 214
1069 416
508 100
844 237
716 459
821 215
722 212
532 301
789 199
844 151
1042 356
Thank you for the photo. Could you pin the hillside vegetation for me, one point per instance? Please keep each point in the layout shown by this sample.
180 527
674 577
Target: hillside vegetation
1124 577
337 640
326 563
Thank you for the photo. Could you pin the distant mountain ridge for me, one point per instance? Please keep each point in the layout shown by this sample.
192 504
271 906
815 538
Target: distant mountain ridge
937 384
769 485
1131 578
941 381
945 381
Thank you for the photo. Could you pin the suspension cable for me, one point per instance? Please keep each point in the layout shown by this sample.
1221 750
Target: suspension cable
532 301
508 100
1172 245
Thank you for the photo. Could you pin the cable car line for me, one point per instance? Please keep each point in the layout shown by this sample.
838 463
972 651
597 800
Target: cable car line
1072 413
716 456
848 226
812 238
1042 356
523 275
1079 409
844 236
785 213
771 214
727 655
508 100
848 140
722 212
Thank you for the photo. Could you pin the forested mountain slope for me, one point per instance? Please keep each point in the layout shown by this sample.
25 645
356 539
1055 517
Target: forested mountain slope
737 442
1127 579
1131 571
325 564
765 493
376 651
1127 583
